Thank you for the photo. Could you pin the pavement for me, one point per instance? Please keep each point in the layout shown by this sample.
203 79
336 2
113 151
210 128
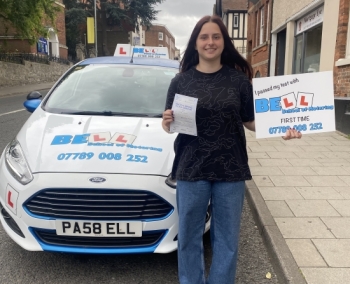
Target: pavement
300 193
24 89
300 198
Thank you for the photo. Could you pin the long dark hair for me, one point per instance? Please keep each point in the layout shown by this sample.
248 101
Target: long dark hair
230 56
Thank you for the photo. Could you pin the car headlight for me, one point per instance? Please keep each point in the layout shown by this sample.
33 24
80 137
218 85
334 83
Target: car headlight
170 182
16 163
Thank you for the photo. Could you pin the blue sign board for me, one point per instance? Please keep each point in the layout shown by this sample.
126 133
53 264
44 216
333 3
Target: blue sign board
42 45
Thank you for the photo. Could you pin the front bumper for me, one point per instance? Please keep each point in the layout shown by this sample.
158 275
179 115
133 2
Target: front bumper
30 225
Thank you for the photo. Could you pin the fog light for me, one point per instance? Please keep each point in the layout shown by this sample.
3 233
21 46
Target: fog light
10 222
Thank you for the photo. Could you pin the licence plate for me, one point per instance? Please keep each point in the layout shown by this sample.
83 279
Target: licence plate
99 229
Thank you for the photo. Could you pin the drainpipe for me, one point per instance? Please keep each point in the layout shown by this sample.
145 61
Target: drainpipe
271 18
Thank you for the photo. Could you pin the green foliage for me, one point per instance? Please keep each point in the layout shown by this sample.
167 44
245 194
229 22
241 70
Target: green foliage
75 18
142 10
29 17
111 13
135 12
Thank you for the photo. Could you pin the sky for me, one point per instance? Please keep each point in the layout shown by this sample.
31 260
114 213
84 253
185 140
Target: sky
180 17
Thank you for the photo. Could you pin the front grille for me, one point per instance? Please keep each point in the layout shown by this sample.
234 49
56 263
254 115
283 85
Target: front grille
98 204
49 237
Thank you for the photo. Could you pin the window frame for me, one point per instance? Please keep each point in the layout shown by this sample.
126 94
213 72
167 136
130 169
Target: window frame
256 28
261 25
236 17
268 21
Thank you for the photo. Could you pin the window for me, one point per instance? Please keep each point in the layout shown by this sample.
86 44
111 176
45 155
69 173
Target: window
160 36
261 38
160 45
235 21
308 51
347 109
256 28
267 21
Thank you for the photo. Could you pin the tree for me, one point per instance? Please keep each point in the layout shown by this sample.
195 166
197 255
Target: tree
28 17
75 18
121 13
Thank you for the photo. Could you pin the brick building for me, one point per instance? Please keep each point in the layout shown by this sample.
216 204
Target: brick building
341 70
259 27
159 35
234 15
54 43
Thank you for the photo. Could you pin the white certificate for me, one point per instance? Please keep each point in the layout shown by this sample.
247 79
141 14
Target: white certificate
184 110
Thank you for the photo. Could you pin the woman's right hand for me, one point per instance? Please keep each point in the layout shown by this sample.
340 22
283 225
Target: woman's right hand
168 117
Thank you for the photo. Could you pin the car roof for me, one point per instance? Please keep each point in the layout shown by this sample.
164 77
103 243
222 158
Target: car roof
136 61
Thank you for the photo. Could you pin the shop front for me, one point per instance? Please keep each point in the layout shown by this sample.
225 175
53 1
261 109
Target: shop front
308 41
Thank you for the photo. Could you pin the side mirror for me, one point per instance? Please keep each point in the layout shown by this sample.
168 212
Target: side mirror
34 95
32 104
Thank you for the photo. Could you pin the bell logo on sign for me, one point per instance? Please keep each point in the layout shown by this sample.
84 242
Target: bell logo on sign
304 99
99 137
288 101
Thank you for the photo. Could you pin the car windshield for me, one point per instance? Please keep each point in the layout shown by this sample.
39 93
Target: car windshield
114 89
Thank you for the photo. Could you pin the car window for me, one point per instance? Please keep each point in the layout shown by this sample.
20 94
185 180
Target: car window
115 88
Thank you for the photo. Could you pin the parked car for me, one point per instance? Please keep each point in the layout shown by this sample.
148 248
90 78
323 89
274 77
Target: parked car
89 172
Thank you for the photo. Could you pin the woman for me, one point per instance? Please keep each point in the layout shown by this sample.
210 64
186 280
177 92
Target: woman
213 165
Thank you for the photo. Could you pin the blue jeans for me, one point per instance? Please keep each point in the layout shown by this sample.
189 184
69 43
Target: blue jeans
226 199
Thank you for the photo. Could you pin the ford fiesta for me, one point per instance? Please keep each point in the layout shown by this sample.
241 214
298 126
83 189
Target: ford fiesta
89 170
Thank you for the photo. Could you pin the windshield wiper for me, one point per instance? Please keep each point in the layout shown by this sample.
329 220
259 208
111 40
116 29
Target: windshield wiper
106 113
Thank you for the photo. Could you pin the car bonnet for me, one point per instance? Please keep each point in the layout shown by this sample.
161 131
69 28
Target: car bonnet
56 143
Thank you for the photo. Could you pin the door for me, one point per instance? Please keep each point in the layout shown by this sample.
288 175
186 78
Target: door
281 53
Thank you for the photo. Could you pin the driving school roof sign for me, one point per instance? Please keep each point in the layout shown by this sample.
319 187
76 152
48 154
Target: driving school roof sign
141 51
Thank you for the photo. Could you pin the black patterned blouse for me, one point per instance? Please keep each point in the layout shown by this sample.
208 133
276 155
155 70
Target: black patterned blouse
218 153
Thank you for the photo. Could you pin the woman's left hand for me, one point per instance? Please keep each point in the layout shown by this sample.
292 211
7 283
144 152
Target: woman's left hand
292 133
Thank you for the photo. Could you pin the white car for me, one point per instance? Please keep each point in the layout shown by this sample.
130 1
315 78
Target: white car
89 170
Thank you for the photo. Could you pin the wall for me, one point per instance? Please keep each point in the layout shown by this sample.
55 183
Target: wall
12 74
285 9
61 31
234 5
341 71
16 45
329 34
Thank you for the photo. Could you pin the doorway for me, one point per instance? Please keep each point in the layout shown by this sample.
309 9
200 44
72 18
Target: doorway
280 52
